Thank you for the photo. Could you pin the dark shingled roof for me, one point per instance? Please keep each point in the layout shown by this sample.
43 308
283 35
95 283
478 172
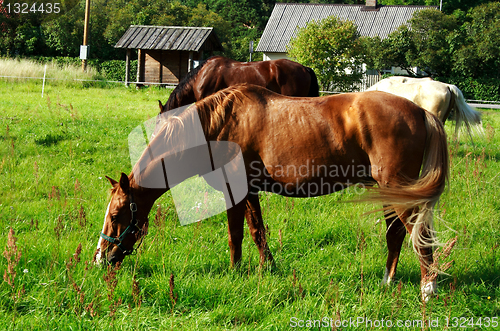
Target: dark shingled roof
371 22
171 38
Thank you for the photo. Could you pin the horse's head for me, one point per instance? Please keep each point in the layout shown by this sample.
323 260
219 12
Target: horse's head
122 225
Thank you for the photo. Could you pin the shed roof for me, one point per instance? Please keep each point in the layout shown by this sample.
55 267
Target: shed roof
172 38
371 22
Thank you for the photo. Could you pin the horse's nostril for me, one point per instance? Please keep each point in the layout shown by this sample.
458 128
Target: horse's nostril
113 260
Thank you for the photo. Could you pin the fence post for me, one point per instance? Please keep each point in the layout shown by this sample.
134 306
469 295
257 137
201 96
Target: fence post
127 67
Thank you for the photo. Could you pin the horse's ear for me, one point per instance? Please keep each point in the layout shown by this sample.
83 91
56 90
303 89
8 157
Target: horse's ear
124 183
112 181
161 106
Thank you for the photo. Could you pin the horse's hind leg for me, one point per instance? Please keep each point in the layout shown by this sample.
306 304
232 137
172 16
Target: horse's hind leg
235 222
428 286
394 237
253 215
424 251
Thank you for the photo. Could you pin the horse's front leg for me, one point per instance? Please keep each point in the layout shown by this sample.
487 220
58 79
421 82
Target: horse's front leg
255 222
235 216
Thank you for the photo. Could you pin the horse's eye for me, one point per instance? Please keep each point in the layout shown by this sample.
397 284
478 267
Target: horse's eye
113 219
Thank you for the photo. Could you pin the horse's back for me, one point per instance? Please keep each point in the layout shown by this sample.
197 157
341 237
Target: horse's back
409 91
405 79
380 110
282 76
294 79
375 103
340 117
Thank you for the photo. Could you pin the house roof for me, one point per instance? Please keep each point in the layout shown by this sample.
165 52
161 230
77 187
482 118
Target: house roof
173 38
371 22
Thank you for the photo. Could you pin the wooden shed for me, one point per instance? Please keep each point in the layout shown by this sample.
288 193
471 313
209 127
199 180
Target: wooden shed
166 53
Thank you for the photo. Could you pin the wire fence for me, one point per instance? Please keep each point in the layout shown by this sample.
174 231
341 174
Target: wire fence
91 80
483 101
486 103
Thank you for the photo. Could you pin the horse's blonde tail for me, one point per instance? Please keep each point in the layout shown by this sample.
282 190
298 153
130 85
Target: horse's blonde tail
464 114
422 194
433 180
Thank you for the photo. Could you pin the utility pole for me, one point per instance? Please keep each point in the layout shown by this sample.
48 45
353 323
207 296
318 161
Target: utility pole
250 48
84 48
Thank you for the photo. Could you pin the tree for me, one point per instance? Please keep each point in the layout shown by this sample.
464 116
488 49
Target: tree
19 35
459 45
476 44
430 29
449 6
424 44
201 16
410 2
64 35
333 49
22 22
392 51
247 20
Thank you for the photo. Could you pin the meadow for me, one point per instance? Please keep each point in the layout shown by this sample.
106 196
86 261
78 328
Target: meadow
55 153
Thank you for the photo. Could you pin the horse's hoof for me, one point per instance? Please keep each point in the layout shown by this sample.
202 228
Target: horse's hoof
428 290
386 280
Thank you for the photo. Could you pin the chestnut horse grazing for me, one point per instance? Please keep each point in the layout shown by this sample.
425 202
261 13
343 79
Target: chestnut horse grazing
281 76
436 97
297 147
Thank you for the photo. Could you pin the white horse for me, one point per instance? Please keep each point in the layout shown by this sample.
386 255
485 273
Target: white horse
436 97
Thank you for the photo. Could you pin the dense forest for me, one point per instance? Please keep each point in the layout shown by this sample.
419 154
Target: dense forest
38 32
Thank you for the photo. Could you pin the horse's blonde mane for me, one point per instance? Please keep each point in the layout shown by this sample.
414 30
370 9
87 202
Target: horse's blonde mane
213 110
212 113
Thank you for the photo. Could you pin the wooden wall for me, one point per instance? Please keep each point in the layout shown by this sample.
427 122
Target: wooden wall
166 66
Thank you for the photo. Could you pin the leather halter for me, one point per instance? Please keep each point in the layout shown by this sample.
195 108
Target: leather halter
131 229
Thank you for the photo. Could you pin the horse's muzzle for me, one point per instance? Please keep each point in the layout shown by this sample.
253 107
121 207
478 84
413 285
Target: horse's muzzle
114 255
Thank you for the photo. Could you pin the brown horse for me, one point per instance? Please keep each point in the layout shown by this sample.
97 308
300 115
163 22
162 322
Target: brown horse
297 147
281 76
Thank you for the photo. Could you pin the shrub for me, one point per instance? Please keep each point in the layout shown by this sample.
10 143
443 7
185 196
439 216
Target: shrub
477 88
114 70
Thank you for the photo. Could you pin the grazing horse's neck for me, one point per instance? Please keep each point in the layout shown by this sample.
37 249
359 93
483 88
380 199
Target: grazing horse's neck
146 196
182 95
149 178
188 96
181 149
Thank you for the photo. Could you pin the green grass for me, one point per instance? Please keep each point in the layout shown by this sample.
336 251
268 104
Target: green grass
55 152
